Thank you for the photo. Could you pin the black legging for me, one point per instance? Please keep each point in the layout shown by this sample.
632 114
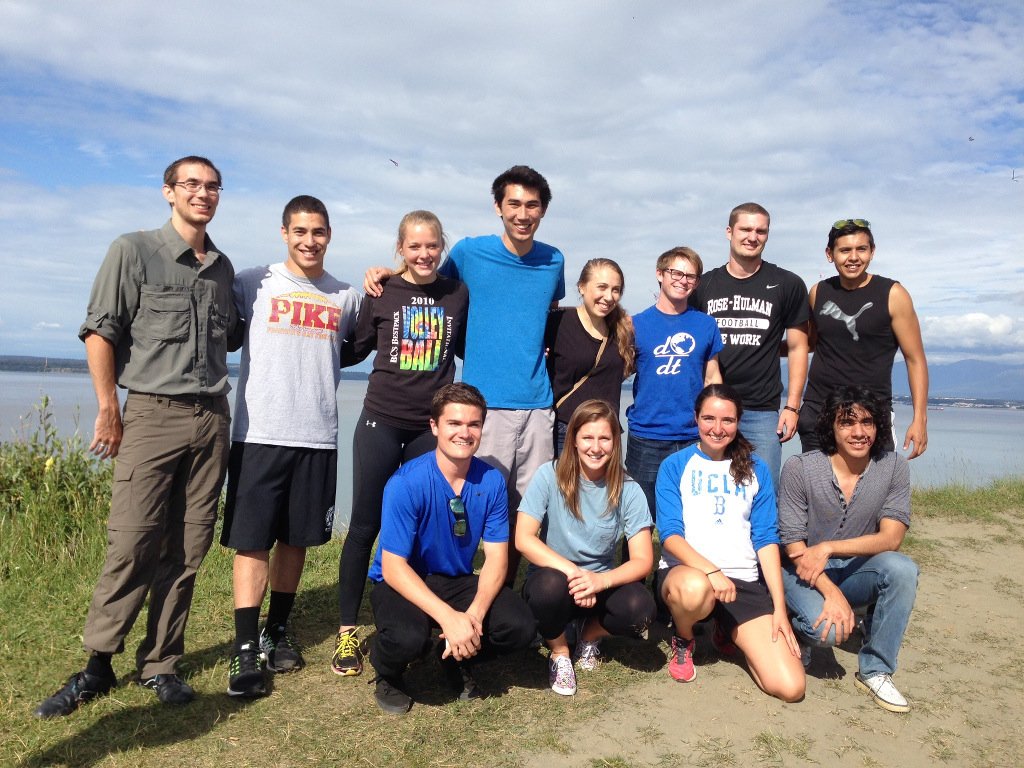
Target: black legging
626 610
378 449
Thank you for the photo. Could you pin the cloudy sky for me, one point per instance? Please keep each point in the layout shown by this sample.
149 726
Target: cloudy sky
650 120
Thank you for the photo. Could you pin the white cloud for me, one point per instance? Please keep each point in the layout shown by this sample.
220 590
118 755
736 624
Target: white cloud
96 150
994 334
650 121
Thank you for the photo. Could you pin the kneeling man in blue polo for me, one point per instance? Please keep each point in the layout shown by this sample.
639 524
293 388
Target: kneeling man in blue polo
437 510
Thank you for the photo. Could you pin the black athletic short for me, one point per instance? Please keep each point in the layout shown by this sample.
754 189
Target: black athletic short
279 493
752 600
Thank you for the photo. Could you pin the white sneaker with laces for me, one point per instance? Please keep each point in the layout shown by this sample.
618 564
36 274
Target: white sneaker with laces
883 691
587 655
562 676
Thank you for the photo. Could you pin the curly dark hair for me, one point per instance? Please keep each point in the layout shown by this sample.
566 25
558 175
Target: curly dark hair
839 404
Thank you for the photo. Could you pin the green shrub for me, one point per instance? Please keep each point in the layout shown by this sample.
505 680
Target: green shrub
54 497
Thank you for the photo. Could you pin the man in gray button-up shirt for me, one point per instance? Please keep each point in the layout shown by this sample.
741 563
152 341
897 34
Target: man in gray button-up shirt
843 513
161 319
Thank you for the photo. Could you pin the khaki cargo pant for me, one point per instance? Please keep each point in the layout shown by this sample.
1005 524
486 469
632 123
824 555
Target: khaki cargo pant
167 482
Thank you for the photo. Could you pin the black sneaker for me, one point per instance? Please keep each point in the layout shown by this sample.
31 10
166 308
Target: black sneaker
348 655
245 675
280 650
170 689
461 680
390 697
80 688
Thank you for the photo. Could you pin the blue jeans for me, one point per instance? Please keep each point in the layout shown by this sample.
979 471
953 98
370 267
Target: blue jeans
759 428
888 579
643 460
561 428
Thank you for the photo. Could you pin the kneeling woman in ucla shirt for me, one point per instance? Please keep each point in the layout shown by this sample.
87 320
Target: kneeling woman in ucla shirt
718 524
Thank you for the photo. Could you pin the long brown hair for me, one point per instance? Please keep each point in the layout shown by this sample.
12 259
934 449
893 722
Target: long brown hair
568 468
740 451
620 325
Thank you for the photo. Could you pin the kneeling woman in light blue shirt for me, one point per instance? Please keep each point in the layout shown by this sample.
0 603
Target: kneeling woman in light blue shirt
573 515
718 525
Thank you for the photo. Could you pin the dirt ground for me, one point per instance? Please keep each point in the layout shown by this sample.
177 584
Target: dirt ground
961 668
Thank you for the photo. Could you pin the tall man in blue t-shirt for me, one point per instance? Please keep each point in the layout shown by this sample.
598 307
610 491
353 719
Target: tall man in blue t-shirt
676 357
437 509
513 281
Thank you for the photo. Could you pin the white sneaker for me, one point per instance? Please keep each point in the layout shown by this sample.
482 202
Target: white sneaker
562 676
881 687
587 655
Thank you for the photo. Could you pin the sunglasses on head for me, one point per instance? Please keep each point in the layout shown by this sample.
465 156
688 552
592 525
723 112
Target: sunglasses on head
843 223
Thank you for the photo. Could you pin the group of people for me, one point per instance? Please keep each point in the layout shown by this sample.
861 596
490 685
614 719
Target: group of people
522 458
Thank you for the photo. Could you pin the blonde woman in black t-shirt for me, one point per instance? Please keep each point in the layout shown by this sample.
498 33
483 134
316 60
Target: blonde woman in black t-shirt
417 327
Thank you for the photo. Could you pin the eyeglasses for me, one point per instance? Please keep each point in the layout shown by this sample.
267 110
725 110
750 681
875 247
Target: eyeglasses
677 275
842 223
192 185
460 527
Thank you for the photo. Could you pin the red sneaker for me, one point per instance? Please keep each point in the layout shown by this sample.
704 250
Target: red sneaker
680 663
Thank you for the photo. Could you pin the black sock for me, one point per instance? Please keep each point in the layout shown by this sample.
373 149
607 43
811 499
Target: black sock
280 608
99 665
247 626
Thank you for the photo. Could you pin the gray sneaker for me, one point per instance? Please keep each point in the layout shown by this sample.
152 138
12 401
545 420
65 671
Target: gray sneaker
280 650
883 691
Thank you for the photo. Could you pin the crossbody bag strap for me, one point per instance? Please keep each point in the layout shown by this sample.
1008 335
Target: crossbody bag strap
567 395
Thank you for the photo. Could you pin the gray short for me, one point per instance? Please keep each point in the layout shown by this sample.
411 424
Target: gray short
517 442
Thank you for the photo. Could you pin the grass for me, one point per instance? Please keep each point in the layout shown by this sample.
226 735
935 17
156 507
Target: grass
771 747
993 503
53 504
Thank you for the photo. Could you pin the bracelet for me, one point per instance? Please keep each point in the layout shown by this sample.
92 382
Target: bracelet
791 408
717 570
607 583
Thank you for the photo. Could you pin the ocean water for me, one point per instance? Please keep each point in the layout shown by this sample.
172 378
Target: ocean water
968 446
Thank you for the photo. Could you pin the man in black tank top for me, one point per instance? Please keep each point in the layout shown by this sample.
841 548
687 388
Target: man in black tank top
858 321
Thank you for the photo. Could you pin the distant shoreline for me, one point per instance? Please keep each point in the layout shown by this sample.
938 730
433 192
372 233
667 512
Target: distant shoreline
29 364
